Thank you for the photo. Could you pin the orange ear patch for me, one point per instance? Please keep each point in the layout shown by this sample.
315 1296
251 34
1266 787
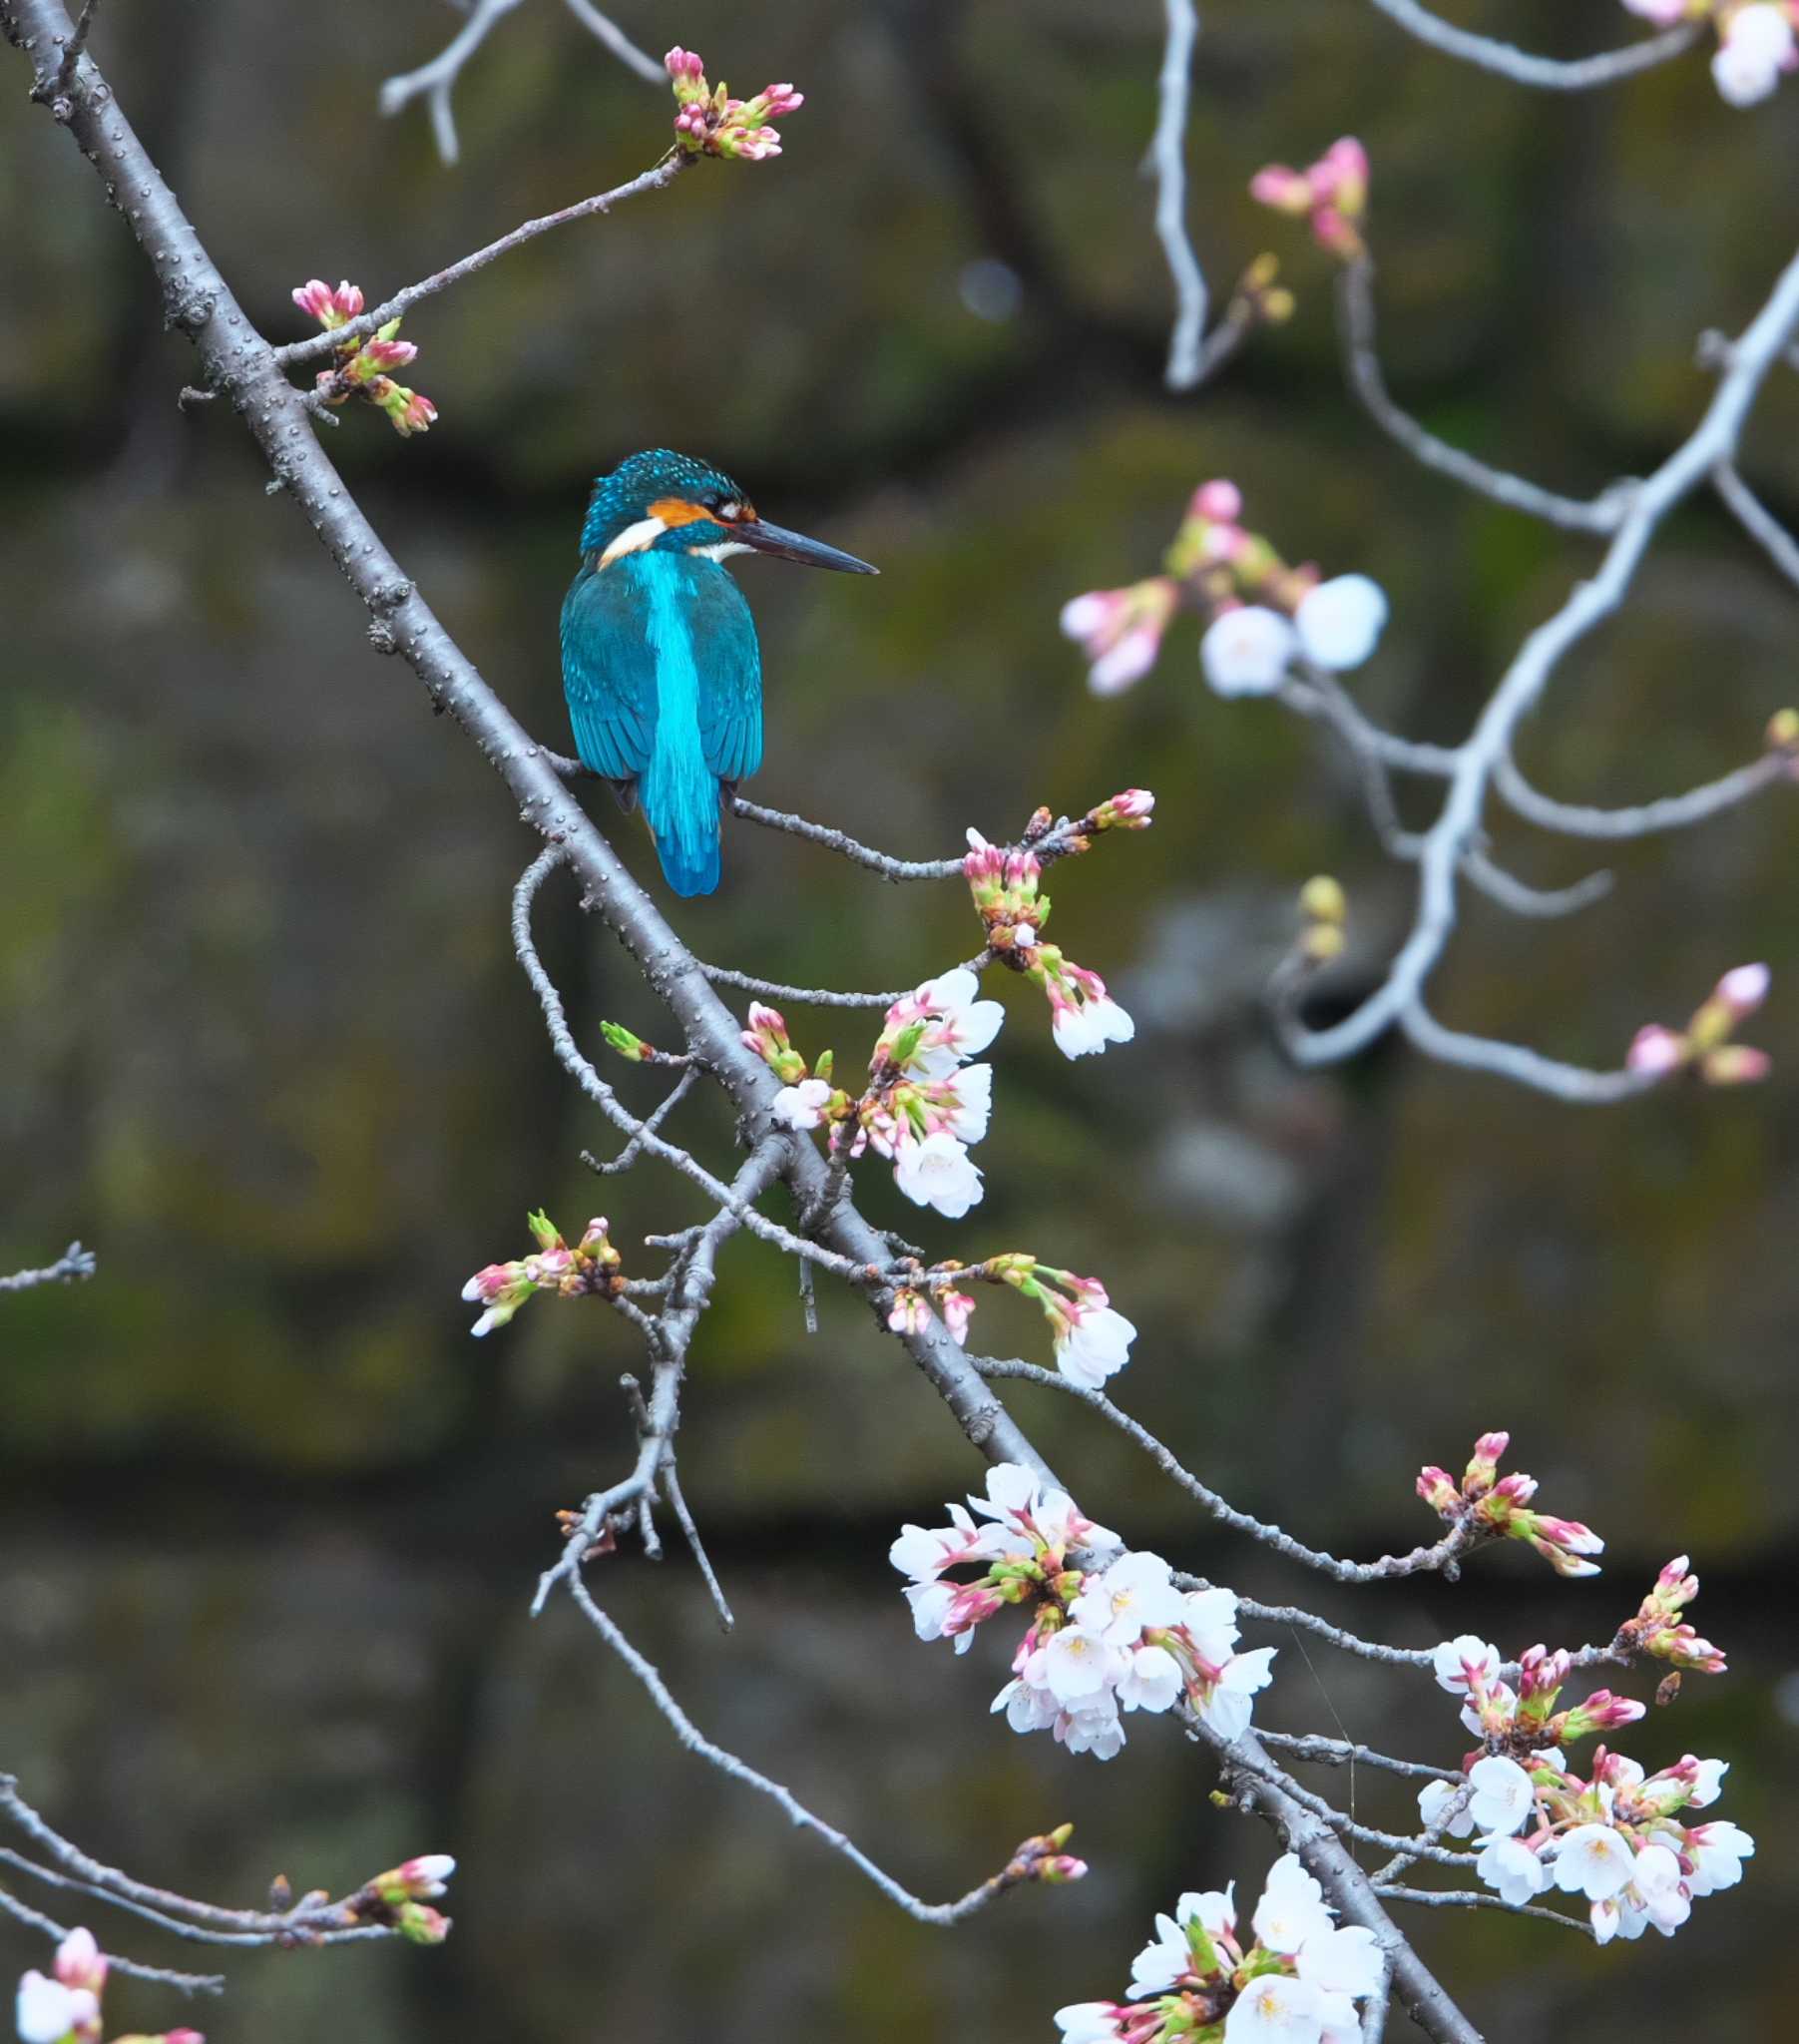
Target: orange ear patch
674 511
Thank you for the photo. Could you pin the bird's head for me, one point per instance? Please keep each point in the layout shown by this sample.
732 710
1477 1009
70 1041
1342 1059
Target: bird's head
673 504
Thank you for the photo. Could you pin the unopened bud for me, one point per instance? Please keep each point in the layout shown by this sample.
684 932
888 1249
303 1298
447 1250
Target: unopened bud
1322 899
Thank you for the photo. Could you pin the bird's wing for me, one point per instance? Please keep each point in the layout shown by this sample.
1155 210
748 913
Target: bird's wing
609 674
730 676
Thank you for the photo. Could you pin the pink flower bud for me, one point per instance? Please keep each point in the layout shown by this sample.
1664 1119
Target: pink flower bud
1439 1489
1744 989
1279 186
1734 1064
1656 1052
680 63
80 1961
1218 501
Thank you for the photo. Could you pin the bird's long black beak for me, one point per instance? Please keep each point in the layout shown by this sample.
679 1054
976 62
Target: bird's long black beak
794 546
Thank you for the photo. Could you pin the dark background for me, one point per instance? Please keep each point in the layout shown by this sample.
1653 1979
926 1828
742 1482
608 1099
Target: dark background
270 1521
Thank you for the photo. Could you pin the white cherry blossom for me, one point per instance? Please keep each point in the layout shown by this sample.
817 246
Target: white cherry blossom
1340 621
1245 651
938 1172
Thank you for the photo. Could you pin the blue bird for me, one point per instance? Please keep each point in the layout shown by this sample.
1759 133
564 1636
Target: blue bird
660 662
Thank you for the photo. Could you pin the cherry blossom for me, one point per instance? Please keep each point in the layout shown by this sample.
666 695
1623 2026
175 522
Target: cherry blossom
1246 651
938 1172
1339 622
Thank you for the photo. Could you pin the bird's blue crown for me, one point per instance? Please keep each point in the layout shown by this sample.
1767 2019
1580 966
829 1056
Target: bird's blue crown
659 483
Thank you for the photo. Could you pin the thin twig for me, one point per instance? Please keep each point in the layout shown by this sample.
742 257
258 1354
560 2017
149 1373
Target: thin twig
651 1122
618 42
1341 1752
1441 1555
1356 331
320 344
164 1976
437 79
1168 160
1757 520
695 1742
1578 74
1473 1899
1667 813
72 1264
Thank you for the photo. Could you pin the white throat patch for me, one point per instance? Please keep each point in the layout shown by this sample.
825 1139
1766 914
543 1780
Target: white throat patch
632 540
722 551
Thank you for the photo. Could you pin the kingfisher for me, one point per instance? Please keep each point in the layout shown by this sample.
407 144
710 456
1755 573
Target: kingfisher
659 660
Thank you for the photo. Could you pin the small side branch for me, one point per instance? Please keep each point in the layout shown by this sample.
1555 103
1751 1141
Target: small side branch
1356 332
618 42
1667 813
1017 1871
437 79
1476 1898
1575 1084
1757 520
1581 74
163 1976
1443 1554
323 344
1167 160
73 1264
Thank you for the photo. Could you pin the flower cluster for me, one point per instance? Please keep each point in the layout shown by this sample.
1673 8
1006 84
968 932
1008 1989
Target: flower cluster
709 123
401 1898
1084 1017
1295 1980
592 1265
923 1106
1093 1339
63 2005
1660 1627
1265 615
1490 1505
362 367
1332 195
1615 1837
1100 1641
1705 1045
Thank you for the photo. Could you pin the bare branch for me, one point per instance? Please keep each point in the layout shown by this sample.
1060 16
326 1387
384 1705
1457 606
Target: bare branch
1356 332
1572 1083
1667 813
163 1976
74 1263
1757 520
618 42
1342 1753
1443 1554
695 1742
1478 1898
311 1920
1168 160
813 996
1590 601
1552 73
320 344
437 79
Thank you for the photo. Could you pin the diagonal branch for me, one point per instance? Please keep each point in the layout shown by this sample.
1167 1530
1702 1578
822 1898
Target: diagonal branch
1580 74
318 346
1356 331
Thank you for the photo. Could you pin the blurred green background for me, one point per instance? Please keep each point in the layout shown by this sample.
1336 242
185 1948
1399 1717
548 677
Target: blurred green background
270 1521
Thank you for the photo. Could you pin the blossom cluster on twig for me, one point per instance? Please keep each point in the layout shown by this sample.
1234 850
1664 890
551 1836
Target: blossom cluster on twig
710 123
1265 615
1615 1837
362 366
1488 1505
1295 1979
1755 41
1704 1047
590 1269
1103 1639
